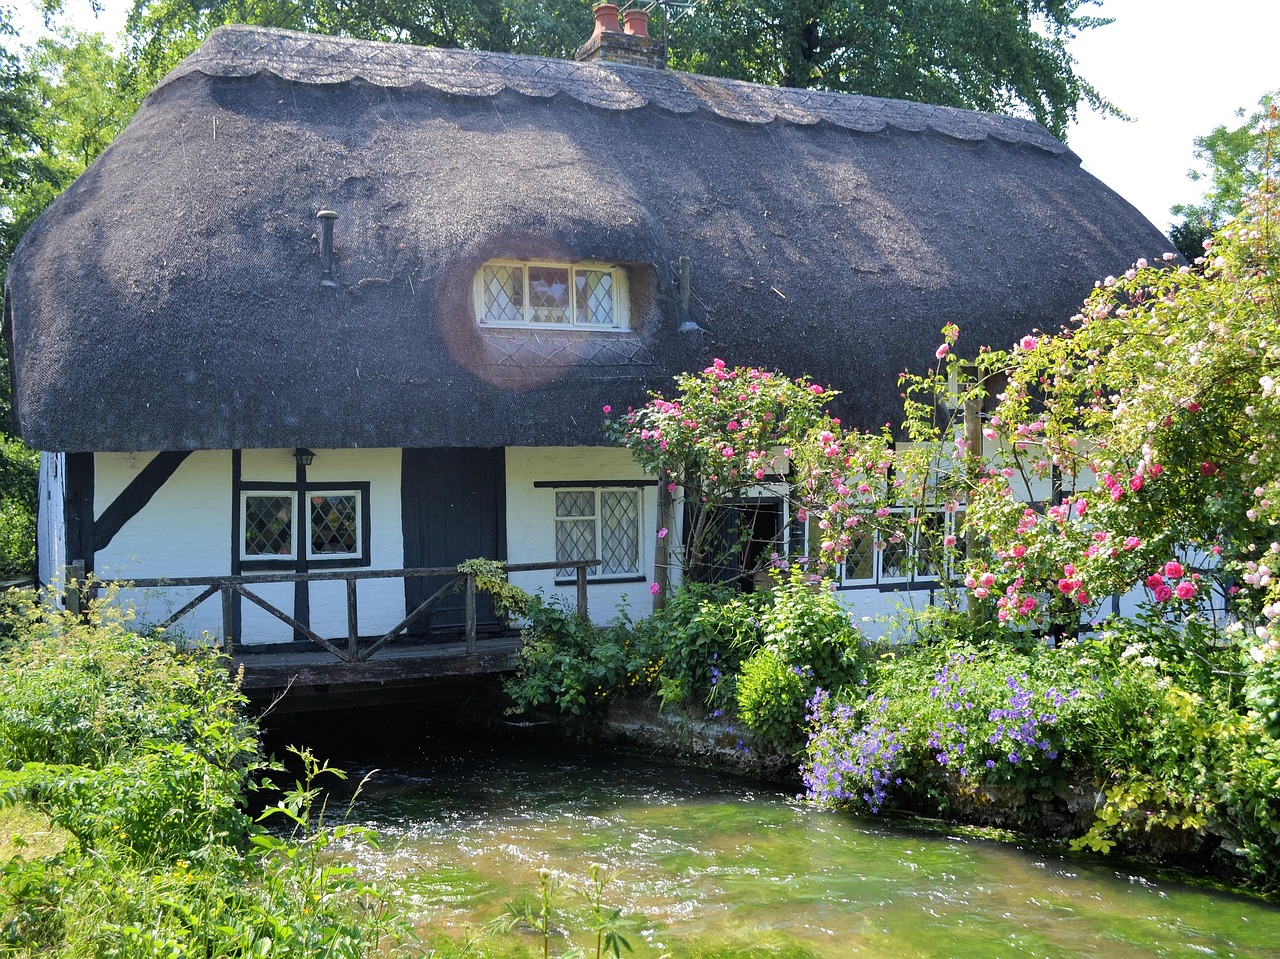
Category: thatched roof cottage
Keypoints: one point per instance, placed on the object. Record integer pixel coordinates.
(432, 268)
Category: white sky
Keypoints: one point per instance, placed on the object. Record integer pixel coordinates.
(1177, 67)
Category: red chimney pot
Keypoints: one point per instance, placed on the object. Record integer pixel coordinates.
(606, 18)
(636, 22)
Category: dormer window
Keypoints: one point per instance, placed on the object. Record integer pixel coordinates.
(591, 296)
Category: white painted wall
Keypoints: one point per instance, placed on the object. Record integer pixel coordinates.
(185, 530)
(51, 520)
(531, 521)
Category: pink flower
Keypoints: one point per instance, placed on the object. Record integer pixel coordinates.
(982, 592)
(607, 409)
(654, 589)
(987, 579)
(1208, 469)
(1155, 581)
(1162, 593)
(1028, 343)
(1155, 469)
(1018, 551)
(949, 540)
(1185, 590)
(1068, 570)
(1132, 542)
(1135, 483)
(671, 487)
(662, 533)
(816, 390)
(1173, 569)
(727, 452)
(942, 351)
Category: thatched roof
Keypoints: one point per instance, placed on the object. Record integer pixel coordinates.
(170, 299)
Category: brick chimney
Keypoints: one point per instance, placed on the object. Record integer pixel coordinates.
(613, 43)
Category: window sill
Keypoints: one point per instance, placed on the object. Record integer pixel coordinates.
(604, 580)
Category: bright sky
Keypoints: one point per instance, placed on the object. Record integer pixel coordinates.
(1177, 67)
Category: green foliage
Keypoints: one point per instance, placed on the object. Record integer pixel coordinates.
(771, 695)
(491, 578)
(1003, 56)
(1235, 162)
(699, 637)
(570, 666)
(807, 642)
(138, 748)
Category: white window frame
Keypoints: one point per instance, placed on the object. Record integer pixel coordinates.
(292, 497)
(300, 501)
(951, 524)
(621, 310)
(596, 574)
(335, 491)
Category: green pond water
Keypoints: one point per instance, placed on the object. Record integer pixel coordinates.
(718, 867)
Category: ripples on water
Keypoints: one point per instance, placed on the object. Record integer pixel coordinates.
(717, 867)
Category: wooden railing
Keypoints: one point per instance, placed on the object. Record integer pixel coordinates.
(229, 586)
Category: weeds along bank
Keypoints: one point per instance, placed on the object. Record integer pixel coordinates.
(127, 761)
(1154, 737)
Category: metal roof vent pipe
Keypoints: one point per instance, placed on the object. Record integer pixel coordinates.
(326, 218)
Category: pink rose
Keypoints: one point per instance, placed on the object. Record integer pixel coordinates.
(987, 579)
(1135, 483)
(1173, 569)
(816, 390)
(1185, 590)
(1132, 542)
(1162, 593)
(654, 589)
(942, 351)
(1155, 581)
(607, 409)
(1155, 469)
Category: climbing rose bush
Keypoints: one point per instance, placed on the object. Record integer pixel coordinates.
(1156, 411)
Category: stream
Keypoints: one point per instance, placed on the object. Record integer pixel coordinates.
(715, 866)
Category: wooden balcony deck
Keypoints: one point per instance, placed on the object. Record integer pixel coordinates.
(310, 679)
(330, 673)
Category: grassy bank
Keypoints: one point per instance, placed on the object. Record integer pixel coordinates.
(126, 768)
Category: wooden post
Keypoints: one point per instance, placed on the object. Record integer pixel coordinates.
(74, 598)
(973, 437)
(471, 612)
(582, 591)
(353, 624)
(228, 617)
(662, 552)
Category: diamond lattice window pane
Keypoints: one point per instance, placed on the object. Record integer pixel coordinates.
(861, 561)
(619, 533)
(595, 297)
(549, 294)
(503, 294)
(575, 539)
(929, 532)
(895, 560)
(334, 525)
(268, 526)
(576, 503)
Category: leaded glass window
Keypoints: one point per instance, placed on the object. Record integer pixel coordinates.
(268, 525)
(598, 524)
(518, 294)
(909, 555)
(335, 527)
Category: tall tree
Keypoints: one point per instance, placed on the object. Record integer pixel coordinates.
(1006, 56)
(1233, 160)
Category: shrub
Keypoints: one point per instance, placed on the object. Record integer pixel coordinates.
(808, 642)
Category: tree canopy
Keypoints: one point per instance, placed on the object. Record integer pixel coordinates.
(1233, 160)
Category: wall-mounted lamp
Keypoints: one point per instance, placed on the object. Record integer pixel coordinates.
(304, 456)
(326, 218)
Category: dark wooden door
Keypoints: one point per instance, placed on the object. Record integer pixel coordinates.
(454, 509)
